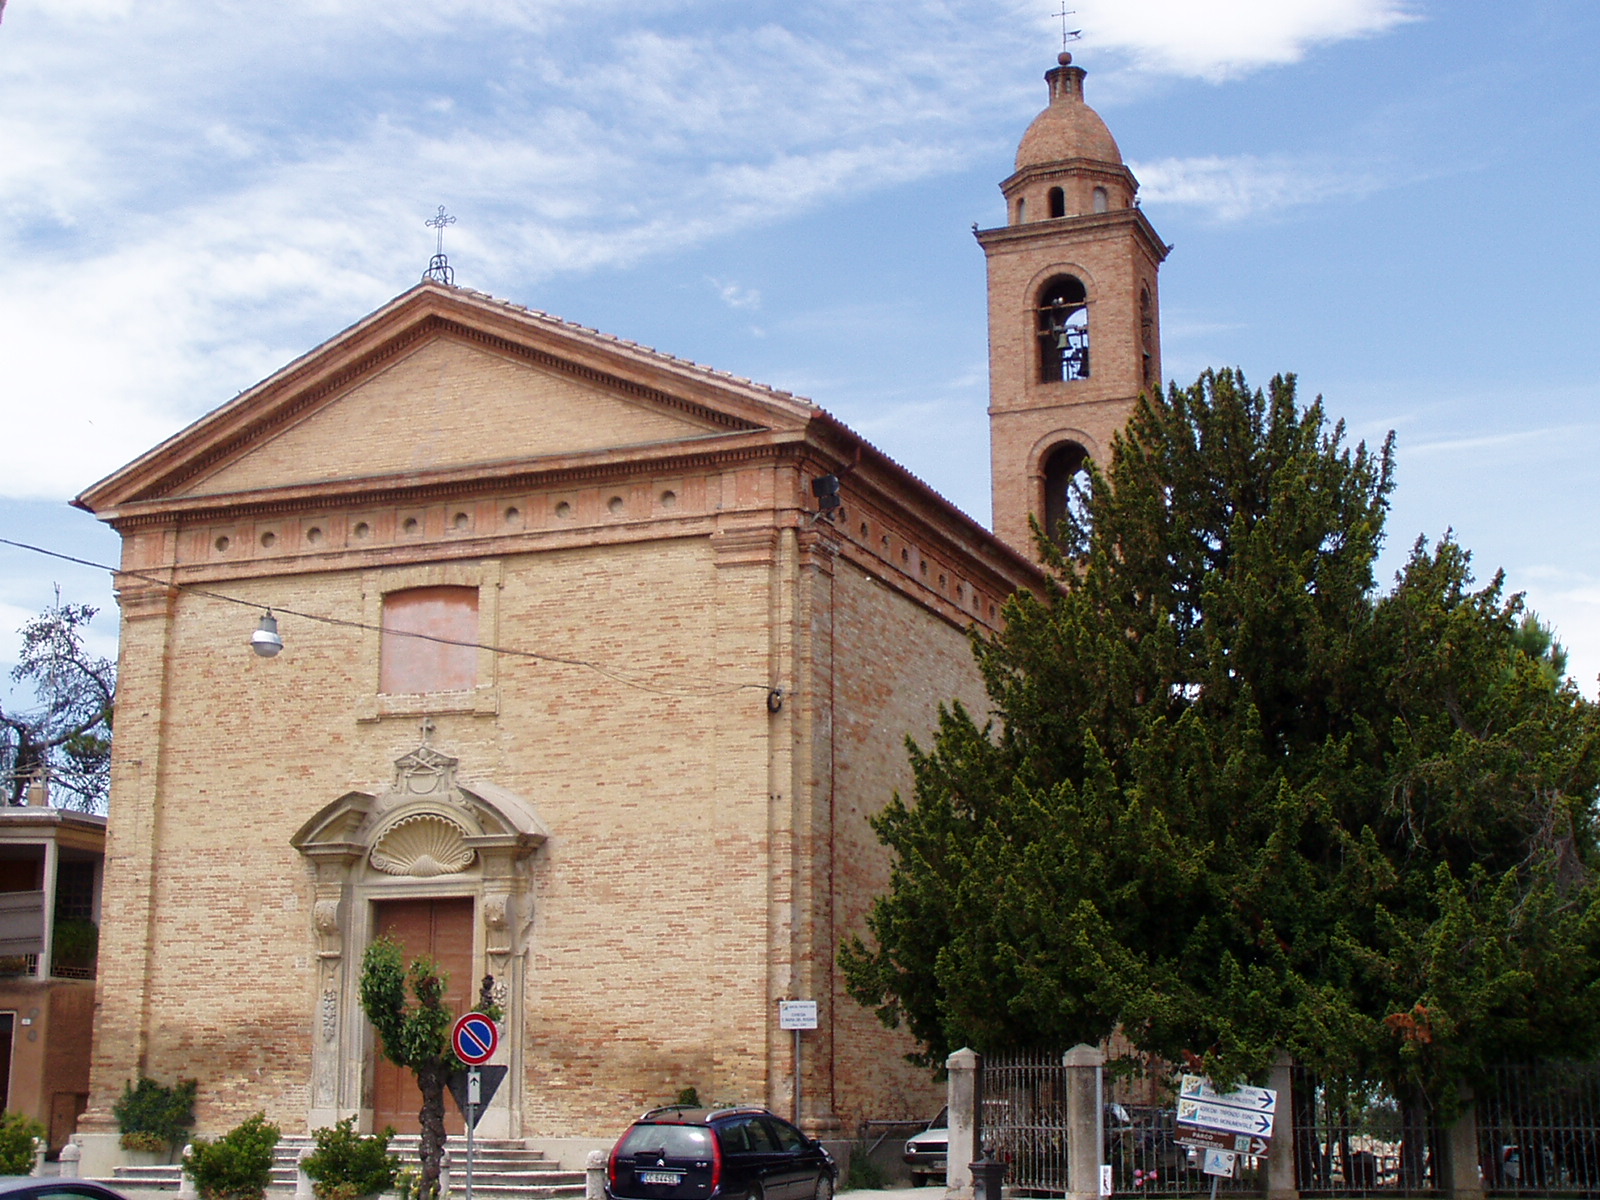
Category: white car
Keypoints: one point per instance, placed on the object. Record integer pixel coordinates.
(926, 1152)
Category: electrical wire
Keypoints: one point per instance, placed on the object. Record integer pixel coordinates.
(509, 651)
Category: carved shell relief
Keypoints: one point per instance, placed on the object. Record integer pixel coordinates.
(423, 846)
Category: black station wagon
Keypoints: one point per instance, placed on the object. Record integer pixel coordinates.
(717, 1154)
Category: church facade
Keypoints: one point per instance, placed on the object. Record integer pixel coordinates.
(596, 663)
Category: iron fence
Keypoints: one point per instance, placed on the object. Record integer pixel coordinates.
(1147, 1159)
(1353, 1138)
(1539, 1130)
(1025, 1126)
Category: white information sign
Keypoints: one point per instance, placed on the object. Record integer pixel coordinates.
(1219, 1162)
(1198, 1087)
(1105, 1179)
(1221, 1116)
(797, 1014)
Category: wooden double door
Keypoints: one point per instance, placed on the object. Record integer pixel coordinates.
(441, 929)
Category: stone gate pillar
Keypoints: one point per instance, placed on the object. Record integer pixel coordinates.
(1085, 1120)
(965, 1121)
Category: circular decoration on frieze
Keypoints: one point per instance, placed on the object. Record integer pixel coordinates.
(423, 846)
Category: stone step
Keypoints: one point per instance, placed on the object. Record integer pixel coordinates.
(491, 1191)
(554, 1177)
(500, 1167)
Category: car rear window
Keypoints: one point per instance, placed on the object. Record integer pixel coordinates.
(680, 1141)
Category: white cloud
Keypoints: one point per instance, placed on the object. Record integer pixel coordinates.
(734, 295)
(1226, 38)
(191, 195)
(1234, 188)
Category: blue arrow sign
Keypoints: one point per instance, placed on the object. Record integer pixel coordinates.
(1224, 1117)
(1198, 1087)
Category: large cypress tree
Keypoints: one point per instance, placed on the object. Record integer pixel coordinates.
(1234, 800)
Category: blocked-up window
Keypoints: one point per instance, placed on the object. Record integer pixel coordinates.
(428, 640)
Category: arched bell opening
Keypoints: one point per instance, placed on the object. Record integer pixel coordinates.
(1066, 479)
(1062, 313)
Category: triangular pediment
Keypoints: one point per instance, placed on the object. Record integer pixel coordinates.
(440, 381)
(448, 403)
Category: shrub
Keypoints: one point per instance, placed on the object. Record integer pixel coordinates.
(154, 1117)
(863, 1173)
(238, 1165)
(346, 1164)
(18, 1132)
(76, 943)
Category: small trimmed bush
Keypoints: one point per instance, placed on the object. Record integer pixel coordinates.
(155, 1117)
(347, 1164)
(238, 1165)
(18, 1133)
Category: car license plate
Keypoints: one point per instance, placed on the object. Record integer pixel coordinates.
(667, 1177)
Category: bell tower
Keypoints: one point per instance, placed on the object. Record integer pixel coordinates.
(1074, 319)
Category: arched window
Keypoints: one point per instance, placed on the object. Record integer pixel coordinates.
(1022, 208)
(1064, 482)
(1063, 315)
(435, 661)
(1102, 200)
(1058, 202)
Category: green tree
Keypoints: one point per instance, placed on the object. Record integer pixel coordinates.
(415, 1034)
(64, 737)
(1234, 800)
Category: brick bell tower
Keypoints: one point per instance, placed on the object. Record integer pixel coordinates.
(1074, 324)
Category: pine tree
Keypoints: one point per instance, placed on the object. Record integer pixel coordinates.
(1233, 800)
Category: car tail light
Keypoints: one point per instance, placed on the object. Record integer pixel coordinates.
(611, 1164)
(716, 1163)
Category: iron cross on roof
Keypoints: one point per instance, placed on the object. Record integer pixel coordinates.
(439, 269)
(1067, 35)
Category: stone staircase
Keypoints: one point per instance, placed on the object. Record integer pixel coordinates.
(501, 1170)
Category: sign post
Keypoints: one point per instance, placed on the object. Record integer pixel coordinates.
(795, 1015)
(1224, 1125)
(474, 1040)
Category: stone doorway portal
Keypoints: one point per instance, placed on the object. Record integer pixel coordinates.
(442, 930)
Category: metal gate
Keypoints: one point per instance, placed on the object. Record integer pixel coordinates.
(1025, 1119)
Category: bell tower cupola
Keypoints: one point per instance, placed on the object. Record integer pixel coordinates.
(1074, 324)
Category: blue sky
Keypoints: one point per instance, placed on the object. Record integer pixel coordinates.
(1392, 198)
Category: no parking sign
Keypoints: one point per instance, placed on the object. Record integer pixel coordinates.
(474, 1039)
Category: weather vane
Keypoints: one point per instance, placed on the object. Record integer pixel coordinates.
(439, 269)
(1067, 35)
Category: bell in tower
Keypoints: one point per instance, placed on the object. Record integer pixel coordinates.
(1074, 326)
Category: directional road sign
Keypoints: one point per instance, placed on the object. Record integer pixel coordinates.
(1198, 1087)
(490, 1079)
(1215, 1139)
(1223, 1117)
(474, 1039)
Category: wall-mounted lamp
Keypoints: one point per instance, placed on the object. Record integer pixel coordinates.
(826, 489)
(266, 640)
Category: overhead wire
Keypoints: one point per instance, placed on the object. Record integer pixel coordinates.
(510, 651)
